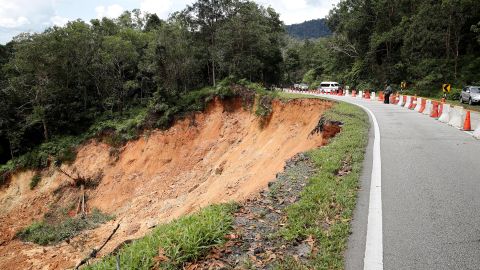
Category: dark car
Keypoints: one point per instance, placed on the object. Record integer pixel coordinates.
(470, 94)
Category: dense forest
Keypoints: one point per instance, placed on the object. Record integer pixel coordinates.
(312, 29)
(138, 71)
(425, 43)
(61, 81)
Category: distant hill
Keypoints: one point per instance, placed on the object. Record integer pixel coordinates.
(309, 29)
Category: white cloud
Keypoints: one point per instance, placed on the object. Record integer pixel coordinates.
(161, 7)
(111, 11)
(59, 20)
(13, 22)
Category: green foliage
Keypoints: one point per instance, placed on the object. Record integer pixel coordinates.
(454, 94)
(183, 240)
(309, 29)
(60, 82)
(326, 206)
(407, 41)
(48, 233)
(35, 180)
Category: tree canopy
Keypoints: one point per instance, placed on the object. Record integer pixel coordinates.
(58, 82)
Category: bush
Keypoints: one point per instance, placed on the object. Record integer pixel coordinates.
(46, 232)
(454, 94)
(35, 180)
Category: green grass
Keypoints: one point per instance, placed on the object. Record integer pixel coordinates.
(183, 240)
(327, 203)
(45, 232)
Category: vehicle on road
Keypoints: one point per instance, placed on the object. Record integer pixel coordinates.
(301, 86)
(470, 94)
(328, 87)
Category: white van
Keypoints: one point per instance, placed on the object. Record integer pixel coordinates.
(328, 87)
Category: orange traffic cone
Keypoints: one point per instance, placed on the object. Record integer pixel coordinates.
(467, 126)
(434, 113)
(380, 96)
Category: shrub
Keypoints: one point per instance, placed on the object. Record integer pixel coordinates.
(35, 180)
(47, 232)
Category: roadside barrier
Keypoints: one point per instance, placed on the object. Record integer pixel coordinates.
(467, 126)
(396, 99)
(445, 115)
(419, 104)
(456, 116)
(428, 107)
(413, 103)
(401, 101)
(434, 113)
(408, 102)
(423, 105)
(475, 119)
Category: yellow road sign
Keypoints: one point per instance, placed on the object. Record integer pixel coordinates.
(403, 85)
(447, 88)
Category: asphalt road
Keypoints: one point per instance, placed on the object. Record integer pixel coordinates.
(430, 189)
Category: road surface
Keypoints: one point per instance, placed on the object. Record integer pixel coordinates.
(430, 193)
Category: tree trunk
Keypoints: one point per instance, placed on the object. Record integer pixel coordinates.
(45, 129)
(213, 72)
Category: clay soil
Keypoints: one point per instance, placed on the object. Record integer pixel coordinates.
(220, 155)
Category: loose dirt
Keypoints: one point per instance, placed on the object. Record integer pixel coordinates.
(217, 156)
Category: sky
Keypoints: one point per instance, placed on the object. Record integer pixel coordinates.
(17, 16)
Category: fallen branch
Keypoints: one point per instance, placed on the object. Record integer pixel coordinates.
(94, 252)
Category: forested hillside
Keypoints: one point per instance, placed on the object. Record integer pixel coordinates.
(425, 43)
(309, 29)
(137, 69)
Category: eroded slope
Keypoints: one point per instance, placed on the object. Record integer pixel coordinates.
(221, 155)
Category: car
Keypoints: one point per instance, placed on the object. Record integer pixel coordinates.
(329, 87)
(470, 94)
(303, 86)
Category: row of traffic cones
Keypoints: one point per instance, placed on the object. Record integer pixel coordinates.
(437, 108)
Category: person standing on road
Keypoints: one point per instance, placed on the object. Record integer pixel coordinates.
(388, 91)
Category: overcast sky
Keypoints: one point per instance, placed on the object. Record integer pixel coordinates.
(18, 16)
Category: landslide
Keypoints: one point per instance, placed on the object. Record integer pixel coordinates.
(225, 153)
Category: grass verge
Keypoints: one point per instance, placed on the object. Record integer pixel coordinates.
(172, 245)
(326, 206)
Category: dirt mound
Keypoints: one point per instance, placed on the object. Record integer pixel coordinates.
(220, 155)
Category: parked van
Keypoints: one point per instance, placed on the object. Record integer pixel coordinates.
(328, 87)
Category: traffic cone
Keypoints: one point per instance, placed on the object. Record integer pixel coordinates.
(434, 113)
(467, 126)
(440, 109)
(380, 96)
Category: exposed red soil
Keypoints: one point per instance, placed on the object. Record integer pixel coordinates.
(217, 156)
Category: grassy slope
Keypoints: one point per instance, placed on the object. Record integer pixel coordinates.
(327, 203)
(171, 245)
(324, 211)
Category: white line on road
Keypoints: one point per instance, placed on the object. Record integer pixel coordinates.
(373, 259)
(374, 244)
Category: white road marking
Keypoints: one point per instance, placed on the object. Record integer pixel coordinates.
(373, 259)
(374, 244)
